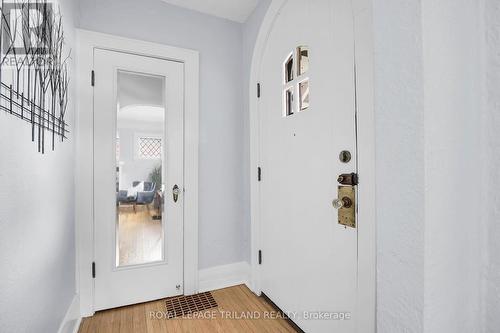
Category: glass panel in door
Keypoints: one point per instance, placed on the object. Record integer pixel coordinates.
(140, 133)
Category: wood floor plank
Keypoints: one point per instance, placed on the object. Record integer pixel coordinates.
(237, 306)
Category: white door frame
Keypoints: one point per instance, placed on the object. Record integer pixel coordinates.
(362, 13)
(87, 41)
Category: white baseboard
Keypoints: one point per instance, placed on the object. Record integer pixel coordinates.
(224, 276)
(72, 319)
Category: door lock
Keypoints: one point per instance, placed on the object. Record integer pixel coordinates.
(348, 179)
(346, 206)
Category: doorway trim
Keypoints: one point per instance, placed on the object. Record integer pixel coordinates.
(87, 41)
(366, 266)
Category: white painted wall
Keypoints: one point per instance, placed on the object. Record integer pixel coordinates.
(491, 148)
(399, 165)
(37, 230)
(428, 70)
(221, 195)
(453, 95)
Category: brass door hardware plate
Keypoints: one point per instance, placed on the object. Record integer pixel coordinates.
(347, 211)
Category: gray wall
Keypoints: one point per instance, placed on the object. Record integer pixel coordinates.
(221, 205)
(37, 228)
(491, 197)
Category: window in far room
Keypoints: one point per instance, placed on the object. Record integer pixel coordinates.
(149, 147)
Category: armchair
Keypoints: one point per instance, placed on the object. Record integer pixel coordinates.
(145, 197)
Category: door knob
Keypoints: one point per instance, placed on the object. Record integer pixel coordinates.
(345, 202)
(175, 192)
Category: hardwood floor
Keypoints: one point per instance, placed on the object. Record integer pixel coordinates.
(234, 304)
(139, 236)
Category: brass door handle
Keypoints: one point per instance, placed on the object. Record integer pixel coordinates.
(345, 202)
(175, 192)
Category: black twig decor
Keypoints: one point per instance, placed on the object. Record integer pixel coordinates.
(34, 73)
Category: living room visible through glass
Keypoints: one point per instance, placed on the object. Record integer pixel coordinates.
(140, 134)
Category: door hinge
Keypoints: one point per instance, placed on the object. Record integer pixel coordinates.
(92, 78)
(258, 90)
(259, 174)
(93, 269)
(260, 257)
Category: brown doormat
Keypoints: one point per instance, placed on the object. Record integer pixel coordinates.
(179, 306)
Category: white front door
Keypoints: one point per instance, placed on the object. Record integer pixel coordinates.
(307, 110)
(138, 178)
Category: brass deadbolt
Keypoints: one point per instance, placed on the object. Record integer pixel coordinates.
(345, 156)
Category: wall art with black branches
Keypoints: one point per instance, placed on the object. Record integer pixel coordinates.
(34, 69)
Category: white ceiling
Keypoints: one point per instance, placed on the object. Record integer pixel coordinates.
(235, 10)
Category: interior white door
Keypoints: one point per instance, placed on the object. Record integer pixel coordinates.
(138, 140)
(307, 109)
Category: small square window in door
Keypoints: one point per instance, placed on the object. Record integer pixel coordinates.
(303, 60)
(304, 95)
(288, 100)
(289, 69)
